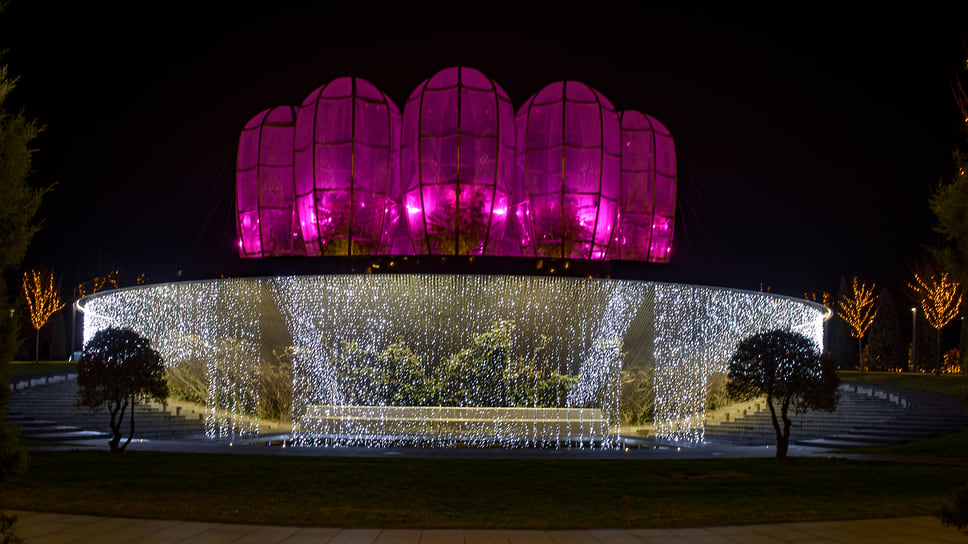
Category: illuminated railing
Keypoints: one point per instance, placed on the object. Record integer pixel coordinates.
(444, 425)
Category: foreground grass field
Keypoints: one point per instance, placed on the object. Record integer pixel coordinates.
(366, 492)
(395, 492)
(953, 444)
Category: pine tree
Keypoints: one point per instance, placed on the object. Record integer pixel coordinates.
(927, 353)
(950, 201)
(885, 342)
(843, 348)
(18, 199)
(58, 339)
(963, 345)
(18, 205)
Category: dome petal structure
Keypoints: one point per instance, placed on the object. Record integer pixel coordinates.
(568, 170)
(665, 195)
(346, 164)
(647, 190)
(264, 186)
(458, 173)
(457, 163)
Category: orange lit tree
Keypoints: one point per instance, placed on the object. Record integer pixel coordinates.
(822, 297)
(89, 287)
(940, 299)
(858, 311)
(43, 300)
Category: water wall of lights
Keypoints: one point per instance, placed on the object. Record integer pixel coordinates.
(566, 176)
(441, 360)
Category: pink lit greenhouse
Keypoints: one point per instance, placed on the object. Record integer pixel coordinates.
(568, 176)
(547, 358)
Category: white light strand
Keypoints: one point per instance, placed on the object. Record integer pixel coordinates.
(359, 342)
(697, 330)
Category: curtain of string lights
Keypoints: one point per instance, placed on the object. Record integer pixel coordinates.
(442, 360)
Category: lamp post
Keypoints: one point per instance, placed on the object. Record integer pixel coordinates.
(914, 337)
(74, 323)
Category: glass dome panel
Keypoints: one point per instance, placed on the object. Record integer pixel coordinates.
(457, 156)
(264, 186)
(568, 168)
(346, 157)
(346, 174)
(647, 190)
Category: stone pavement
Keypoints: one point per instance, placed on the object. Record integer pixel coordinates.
(42, 528)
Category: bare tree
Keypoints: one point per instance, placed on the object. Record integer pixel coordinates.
(41, 289)
(940, 299)
(857, 309)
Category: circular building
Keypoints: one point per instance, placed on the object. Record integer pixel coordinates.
(457, 163)
(346, 155)
(447, 359)
(568, 172)
(437, 359)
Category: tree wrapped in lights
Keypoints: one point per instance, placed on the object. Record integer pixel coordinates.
(100, 283)
(43, 299)
(857, 309)
(940, 300)
(786, 367)
(821, 298)
(89, 287)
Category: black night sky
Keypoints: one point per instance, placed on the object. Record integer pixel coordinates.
(808, 141)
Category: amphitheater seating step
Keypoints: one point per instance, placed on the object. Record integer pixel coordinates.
(45, 410)
(866, 416)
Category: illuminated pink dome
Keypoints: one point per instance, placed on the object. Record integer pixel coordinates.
(266, 219)
(647, 191)
(347, 142)
(335, 176)
(568, 172)
(457, 163)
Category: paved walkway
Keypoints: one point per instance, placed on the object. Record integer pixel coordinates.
(41, 528)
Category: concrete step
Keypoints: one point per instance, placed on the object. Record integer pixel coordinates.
(860, 419)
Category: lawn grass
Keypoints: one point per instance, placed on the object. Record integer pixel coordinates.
(476, 493)
(950, 444)
(20, 368)
(28, 442)
(947, 384)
